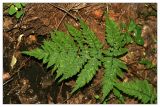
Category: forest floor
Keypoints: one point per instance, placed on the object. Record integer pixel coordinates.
(27, 81)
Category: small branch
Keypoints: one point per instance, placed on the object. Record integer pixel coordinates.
(60, 22)
(7, 81)
(66, 13)
(67, 99)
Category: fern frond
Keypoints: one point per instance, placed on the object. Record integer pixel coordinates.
(90, 37)
(37, 53)
(137, 88)
(113, 68)
(73, 68)
(107, 86)
(118, 94)
(119, 63)
(109, 75)
(78, 37)
(114, 39)
(112, 33)
(80, 53)
(87, 73)
(67, 54)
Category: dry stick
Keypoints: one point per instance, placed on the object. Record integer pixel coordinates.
(12, 90)
(67, 99)
(66, 13)
(149, 5)
(8, 81)
(61, 21)
(60, 91)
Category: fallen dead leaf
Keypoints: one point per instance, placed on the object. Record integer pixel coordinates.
(113, 15)
(126, 79)
(7, 24)
(13, 62)
(31, 39)
(98, 13)
(20, 38)
(6, 76)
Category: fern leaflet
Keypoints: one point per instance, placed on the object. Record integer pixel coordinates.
(138, 88)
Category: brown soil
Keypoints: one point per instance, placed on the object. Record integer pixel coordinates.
(28, 81)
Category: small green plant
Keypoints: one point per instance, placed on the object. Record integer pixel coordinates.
(147, 63)
(16, 9)
(80, 52)
(97, 97)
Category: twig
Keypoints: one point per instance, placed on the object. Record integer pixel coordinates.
(60, 91)
(7, 81)
(12, 90)
(66, 13)
(149, 5)
(60, 22)
(67, 99)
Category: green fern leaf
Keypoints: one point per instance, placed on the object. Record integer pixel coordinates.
(109, 75)
(119, 72)
(87, 73)
(113, 68)
(118, 94)
(107, 86)
(73, 68)
(114, 39)
(137, 88)
(90, 37)
(113, 33)
(37, 53)
(119, 63)
(78, 37)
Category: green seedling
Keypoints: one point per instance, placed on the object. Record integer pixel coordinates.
(97, 97)
(16, 9)
(147, 63)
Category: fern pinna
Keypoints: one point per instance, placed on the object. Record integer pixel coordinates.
(81, 53)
